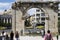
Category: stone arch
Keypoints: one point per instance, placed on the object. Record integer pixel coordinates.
(35, 7)
(30, 7)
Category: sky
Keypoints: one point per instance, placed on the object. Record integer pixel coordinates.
(5, 4)
(32, 11)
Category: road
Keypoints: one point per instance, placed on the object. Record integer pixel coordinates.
(34, 38)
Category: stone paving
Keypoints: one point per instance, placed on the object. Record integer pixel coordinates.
(34, 38)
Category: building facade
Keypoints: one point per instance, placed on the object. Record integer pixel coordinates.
(5, 22)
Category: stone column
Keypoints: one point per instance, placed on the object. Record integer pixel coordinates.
(4, 20)
(10, 20)
(13, 20)
(7, 20)
(19, 21)
(53, 17)
(53, 20)
(46, 23)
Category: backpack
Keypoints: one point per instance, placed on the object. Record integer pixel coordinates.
(48, 37)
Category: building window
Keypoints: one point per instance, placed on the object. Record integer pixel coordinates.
(58, 11)
(42, 18)
(58, 18)
(42, 14)
(58, 14)
(37, 10)
(37, 14)
(37, 18)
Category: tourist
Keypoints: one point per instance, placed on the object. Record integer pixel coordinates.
(17, 35)
(11, 35)
(48, 36)
(57, 36)
(3, 35)
(6, 37)
(42, 33)
(21, 32)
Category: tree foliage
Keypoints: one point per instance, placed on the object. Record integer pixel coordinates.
(27, 23)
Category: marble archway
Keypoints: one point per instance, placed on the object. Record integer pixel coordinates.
(21, 9)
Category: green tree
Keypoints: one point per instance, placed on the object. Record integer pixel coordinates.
(27, 23)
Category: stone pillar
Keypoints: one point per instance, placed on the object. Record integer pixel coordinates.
(46, 23)
(7, 20)
(13, 20)
(52, 22)
(19, 21)
(10, 20)
(4, 20)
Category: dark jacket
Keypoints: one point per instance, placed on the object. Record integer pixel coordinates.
(11, 35)
(17, 35)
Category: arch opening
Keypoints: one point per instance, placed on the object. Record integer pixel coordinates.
(35, 21)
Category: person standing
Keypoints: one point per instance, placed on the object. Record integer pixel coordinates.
(48, 36)
(17, 35)
(42, 33)
(57, 36)
(11, 35)
(3, 35)
(6, 37)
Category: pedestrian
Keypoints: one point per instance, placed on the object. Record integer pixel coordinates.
(57, 36)
(17, 35)
(3, 35)
(11, 35)
(48, 36)
(42, 33)
(21, 32)
(6, 37)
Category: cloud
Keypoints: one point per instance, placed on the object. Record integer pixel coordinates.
(32, 11)
(1, 12)
(4, 6)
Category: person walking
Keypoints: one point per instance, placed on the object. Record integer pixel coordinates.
(48, 36)
(11, 35)
(17, 35)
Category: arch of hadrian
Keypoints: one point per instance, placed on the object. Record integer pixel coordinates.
(21, 8)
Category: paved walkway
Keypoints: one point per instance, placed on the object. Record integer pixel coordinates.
(34, 38)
